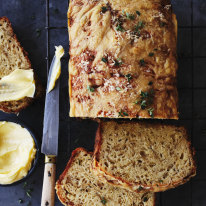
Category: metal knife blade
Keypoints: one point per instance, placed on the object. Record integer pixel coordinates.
(51, 119)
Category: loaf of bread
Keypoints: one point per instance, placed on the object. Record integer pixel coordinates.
(77, 186)
(143, 157)
(13, 56)
(122, 59)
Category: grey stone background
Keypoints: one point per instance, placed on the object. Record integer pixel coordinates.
(29, 20)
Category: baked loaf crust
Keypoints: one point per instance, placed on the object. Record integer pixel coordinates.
(143, 157)
(13, 56)
(122, 59)
(78, 186)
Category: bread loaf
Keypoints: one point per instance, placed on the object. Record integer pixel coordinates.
(78, 186)
(143, 157)
(122, 59)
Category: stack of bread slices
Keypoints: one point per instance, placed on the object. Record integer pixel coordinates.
(130, 162)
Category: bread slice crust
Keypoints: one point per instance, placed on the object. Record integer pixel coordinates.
(65, 201)
(110, 178)
(18, 105)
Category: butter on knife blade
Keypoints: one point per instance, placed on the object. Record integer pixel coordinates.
(56, 67)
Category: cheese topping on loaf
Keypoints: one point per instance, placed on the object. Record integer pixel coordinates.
(122, 59)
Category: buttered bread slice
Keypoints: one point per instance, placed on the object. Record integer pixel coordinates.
(143, 157)
(17, 86)
(77, 186)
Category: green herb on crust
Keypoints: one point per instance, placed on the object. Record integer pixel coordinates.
(119, 27)
(138, 13)
(122, 113)
(145, 199)
(146, 101)
(150, 83)
(91, 89)
(140, 188)
(142, 62)
(140, 25)
(130, 16)
(150, 112)
(118, 62)
(143, 104)
(104, 60)
(151, 54)
(104, 9)
(103, 201)
(129, 77)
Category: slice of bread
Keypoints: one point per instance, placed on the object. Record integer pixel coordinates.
(143, 157)
(78, 186)
(13, 56)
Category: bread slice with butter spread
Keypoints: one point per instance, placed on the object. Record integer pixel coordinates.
(12, 57)
(141, 157)
(77, 186)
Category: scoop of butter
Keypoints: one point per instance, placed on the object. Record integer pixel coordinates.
(17, 152)
(56, 67)
(17, 85)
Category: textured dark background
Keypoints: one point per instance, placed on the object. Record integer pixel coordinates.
(29, 21)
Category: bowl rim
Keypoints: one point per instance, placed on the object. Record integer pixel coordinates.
(37, 155)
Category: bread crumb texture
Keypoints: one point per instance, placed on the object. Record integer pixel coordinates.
(122, 59)
(142, 156)
(78, 186)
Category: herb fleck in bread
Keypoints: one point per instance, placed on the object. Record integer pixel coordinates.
(13, 56)
(77, 186)
(143, 157)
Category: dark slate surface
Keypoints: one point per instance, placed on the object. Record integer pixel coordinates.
(28, 19)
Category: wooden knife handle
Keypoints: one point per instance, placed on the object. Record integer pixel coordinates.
(48, 190)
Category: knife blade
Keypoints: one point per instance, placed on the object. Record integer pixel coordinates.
(51, 119)
(50, 141)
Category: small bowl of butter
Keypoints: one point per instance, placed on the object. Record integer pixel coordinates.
(18, 152)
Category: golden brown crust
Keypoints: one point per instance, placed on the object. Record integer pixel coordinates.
(122, 64)
(105, 176)
(17, 106)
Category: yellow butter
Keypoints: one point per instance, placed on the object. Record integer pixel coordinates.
(17, 151)
(17, 85)
(56, 67)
